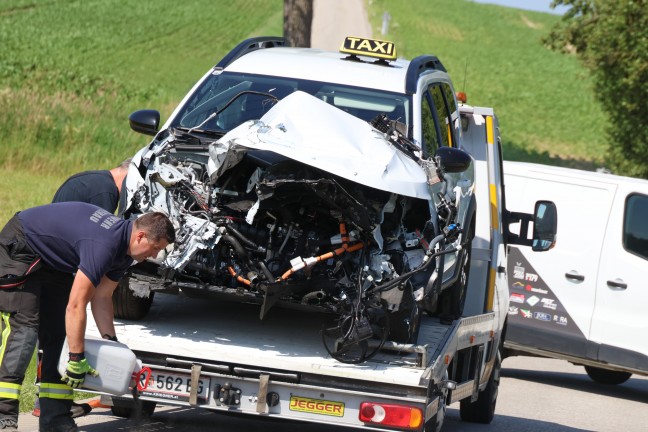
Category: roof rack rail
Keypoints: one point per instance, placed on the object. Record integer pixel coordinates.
(249, 45)
(418, 65)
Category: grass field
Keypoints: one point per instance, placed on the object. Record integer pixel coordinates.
(72, 71)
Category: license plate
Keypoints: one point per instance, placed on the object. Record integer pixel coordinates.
(173, 386)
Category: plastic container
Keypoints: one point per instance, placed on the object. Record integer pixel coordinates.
(114, 361)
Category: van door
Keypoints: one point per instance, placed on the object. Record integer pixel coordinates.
(619, 323)
(552, 294)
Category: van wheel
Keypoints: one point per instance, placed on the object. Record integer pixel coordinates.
(605, 376)
(129, 306)
(483, 409)
(129, 408)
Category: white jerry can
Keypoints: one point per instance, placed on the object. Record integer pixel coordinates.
(114, 361)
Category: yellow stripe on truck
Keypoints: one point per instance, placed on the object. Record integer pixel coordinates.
(492, 192)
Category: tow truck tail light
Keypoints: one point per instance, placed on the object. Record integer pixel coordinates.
(401, 416)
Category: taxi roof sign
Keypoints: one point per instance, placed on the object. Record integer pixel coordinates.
(369, 47)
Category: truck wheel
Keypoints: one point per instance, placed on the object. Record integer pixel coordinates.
(605, 376)
(129, 306)
(483, 409)
(129, 408)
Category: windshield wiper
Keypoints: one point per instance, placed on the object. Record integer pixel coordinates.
(208, 132)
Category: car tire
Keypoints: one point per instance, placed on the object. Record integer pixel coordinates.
(127, 305)
(483, 409)
(129, 408)
(605, 376)
(453, 299)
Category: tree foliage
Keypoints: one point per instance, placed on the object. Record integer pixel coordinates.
(610, 37)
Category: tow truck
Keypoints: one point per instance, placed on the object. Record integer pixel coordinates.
(218, 355)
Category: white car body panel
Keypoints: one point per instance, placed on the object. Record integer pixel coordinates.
(299, 127)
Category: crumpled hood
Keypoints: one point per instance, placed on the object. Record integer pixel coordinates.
(308, 130)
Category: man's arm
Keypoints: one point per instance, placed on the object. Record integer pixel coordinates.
(102, 306)
(75, 313)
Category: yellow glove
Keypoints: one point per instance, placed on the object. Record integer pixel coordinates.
(76, 370)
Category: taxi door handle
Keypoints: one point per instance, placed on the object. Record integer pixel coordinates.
(617, 284)
(574, 276)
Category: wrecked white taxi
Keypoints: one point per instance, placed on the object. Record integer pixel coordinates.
(307, 194)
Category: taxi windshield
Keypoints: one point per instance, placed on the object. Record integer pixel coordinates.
(224, 101)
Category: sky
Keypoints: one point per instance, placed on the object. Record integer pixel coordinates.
(534, 5)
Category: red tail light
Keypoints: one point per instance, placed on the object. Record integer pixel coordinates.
(401, 416)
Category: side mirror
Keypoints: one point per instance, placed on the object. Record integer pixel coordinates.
(545, 224)
(145, 122)
(452, 159)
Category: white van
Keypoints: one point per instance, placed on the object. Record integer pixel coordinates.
(585, 300)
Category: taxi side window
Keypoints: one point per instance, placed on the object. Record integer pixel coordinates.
(429, 132)
(443, 112)
(635, 229)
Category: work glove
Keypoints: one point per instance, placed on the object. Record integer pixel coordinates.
(76, 370)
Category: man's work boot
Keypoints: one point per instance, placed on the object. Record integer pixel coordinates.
(79, 410)
(63, 425)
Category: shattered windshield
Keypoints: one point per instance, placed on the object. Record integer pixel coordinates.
(224, 101)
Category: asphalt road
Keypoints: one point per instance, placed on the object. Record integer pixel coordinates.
(536, 395)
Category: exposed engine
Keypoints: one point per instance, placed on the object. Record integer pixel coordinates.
(254, 222)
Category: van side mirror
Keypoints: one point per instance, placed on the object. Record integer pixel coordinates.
(145, 121)
(545, 224)
(452, 159)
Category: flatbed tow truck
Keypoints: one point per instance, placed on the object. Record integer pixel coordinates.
(220, 356)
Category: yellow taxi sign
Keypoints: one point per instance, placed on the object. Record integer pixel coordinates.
(369, 47)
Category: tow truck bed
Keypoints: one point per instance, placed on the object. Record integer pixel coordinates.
(183, 327)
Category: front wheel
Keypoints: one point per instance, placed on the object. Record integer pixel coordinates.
(129, 306)
(483, 409)
(129, 408)
(605, 376)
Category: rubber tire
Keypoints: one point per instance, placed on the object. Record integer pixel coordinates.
(127, 408)
(127, 305)
(605, 376)
(453, 299)
(483, 409)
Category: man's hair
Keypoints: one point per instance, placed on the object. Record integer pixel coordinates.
(125, 163)
(157, 225)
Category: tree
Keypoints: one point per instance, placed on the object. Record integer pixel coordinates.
(298, 19)
(610, 37)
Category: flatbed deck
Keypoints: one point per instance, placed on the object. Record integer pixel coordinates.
(286, 340)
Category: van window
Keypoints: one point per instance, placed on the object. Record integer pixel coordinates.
(635, 229)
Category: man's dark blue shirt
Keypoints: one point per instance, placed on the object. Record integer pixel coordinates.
(73, 236)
